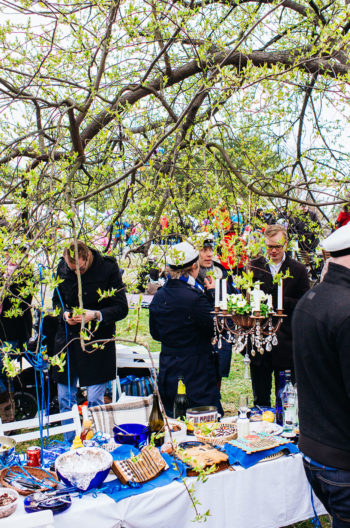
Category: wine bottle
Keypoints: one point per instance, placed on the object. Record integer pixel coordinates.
(279, 406)
(181, 400)
(156, 421)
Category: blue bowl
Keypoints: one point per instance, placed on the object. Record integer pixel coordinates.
(138, 434)
(7, 449)
(94, 483)
(98, 460)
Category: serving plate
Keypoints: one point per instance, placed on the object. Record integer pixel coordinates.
(265, 427)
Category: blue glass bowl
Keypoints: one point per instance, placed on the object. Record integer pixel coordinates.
(94, 483)
(7, 448)
(99, 462)
(137, 437)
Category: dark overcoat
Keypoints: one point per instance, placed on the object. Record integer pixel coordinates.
(180, 319)
(17, 328)
(99, 366)
(293, 289)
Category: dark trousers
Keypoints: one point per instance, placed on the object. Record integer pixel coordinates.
(332, 487)
(261, 371)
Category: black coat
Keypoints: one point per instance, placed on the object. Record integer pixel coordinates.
(98, 366)
(321, 324)
(180, 318)
(17, 328)
(306, 227)
(293, 289)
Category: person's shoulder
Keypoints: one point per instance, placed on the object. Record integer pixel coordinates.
(62, 266)
(258, 262)
(295, 264)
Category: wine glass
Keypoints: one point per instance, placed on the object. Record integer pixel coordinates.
(243, 403)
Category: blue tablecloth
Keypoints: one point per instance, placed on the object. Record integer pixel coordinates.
(117, 491)
(240, 457)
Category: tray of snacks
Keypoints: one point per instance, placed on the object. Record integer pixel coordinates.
(258, 442)
(216, 433)
(198, 456)
(26, 480)
(140, 468)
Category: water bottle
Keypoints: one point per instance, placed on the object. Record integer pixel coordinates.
(279, 406)
(289, 403)
(243, 425)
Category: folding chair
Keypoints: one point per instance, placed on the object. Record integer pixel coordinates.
(136, 410)
(33, 423)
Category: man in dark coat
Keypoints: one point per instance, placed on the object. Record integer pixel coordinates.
(94, 367)
(321, 325)
(209, 270)
(180, 318)
(306, 226)
(294, 287)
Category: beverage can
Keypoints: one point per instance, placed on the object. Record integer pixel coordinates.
(33, 456)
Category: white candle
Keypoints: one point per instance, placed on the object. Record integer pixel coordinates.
(280, 295)
(269, 302)
(224, 294)
(217, 293)
(256, 300)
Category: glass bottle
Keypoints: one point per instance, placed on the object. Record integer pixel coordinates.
(181, 400)
(289, 402)
(243, 425)
(156, 421)
(279, 407)
(87, 432)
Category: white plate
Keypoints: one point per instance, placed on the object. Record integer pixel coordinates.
(266, 427)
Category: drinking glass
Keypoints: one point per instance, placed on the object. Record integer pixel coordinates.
(243, 403)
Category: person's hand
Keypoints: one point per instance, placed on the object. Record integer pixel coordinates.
(209, 283)
(89, 315)
(70, 320)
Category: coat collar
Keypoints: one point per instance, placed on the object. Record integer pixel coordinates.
(337, 274)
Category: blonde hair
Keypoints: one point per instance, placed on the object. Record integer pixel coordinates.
(183, 272)
(274, 229)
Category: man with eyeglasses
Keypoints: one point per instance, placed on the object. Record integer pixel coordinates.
(265, 268)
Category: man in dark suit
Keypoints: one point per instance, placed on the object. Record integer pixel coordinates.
(294, 287)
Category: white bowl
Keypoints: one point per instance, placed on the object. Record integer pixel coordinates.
(8, 509)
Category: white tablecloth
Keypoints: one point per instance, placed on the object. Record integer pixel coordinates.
(269, 495)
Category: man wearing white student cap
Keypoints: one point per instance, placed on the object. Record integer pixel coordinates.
(180, 318)
(321, 326)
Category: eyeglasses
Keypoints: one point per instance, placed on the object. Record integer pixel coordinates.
(281, 246)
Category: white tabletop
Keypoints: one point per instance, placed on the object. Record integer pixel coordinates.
(268, 495)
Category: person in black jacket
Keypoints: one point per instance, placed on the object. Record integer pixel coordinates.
(15, 320)
(94, 367)
(306, 226)
(294, 287)
(180, 319)
(321, 326)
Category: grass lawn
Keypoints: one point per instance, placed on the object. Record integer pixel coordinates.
(231, 387)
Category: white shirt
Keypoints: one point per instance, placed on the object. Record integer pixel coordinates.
(274, 268)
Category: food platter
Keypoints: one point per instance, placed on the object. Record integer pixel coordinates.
(265, 427)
